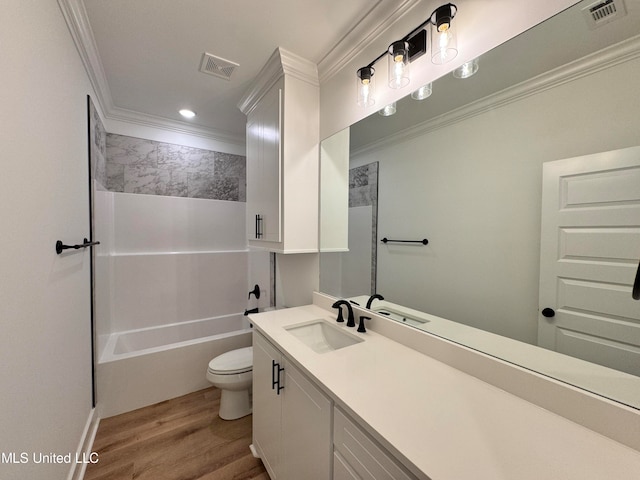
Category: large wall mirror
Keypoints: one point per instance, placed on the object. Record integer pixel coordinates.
(463, 168)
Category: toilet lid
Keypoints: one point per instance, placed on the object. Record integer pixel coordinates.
(235, 361)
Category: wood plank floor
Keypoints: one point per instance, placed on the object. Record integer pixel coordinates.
(180, 439)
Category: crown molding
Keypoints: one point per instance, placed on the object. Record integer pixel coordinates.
(601, 60)
(153, 121)
(376, 21)
(78, 23)
(79, 26)
(282, 62)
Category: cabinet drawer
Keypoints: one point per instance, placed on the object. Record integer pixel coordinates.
(359, 455)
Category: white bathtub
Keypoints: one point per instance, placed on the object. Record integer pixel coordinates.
(145, 366)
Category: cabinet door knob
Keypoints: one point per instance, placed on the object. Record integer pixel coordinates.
(548, 312)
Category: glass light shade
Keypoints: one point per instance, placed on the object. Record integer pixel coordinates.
(423, 92)
(398, 64)
(365, 86)
(467, 69)
(388, 110)
(444, 44)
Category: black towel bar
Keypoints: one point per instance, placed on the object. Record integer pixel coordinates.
(424, 241)
(60, 247)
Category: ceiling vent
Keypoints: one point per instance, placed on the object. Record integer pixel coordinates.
(216, 66)
(602, 12)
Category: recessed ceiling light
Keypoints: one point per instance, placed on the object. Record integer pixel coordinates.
(186, 113)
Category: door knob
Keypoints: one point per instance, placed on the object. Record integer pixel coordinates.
(548, 312)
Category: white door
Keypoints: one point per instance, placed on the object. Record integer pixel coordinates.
(590, 246)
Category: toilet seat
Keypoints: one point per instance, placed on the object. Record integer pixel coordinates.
(233, 362)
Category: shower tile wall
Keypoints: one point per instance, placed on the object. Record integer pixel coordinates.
(148, 167)
(363, 191)
(363, 185)
(98, 146)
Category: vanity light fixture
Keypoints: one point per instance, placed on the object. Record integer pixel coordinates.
(444, 46)
(467, 69)
(366, 86)
(398, 64)
(423, 92)
(186, 113)
(409, 48)
(388, 110)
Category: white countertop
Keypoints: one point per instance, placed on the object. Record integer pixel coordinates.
(442, 423)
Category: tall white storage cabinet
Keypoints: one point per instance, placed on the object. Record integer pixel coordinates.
(291, 417)
(282, 109)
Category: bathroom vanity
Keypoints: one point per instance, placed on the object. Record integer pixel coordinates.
(330, 402)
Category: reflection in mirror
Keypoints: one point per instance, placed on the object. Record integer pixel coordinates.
(464, 168)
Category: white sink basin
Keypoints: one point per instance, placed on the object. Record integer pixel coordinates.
(322, 336)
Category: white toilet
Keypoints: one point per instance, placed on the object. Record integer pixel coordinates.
(232, 372)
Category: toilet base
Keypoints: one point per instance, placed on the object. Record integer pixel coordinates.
(234, 404)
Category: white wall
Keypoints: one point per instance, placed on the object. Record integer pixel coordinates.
(473, 189)
(45, 370)
(172, 259)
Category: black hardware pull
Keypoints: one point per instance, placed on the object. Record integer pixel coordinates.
(60, 247)
(259, 220)
(424, 241)
(548, 312)
(635, 293)
(275, 378)
(274, 382)
(280, 387)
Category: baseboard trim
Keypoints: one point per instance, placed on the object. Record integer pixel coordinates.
(85, 446)
(254, 452)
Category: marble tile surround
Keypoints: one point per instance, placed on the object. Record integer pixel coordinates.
(135, 165)
(363, 191)
(98, 147)
(363, 185)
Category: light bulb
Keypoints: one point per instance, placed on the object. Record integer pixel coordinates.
(398, 64)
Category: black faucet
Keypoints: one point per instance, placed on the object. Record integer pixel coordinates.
(350, 320)
(361, 325)
(372, 298)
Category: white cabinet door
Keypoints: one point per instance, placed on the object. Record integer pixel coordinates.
(254, 168)
(271, 207)
(267, 408)
(264, 165)
(306, 428)
(291, 418)
(590, 246)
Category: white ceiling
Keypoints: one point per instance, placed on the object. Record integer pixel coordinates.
(150, 50)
